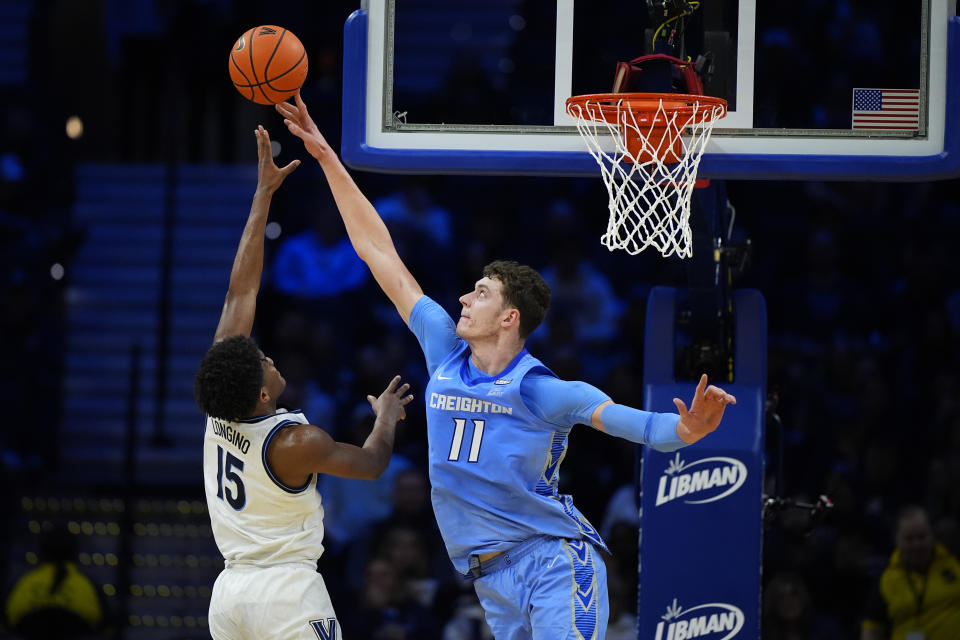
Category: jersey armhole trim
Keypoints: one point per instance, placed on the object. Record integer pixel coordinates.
(266, 465)
(269, 415)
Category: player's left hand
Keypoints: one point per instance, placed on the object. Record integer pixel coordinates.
(705, 411)
(269, 176)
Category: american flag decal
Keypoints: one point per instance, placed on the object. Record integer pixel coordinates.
(891, 109)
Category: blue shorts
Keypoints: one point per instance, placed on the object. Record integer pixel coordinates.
(545, 589)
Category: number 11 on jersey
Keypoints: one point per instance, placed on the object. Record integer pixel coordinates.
(455, 446)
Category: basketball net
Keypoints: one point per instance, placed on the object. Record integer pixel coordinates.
(651, 171)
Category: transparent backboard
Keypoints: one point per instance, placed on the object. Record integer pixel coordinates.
(816, 90)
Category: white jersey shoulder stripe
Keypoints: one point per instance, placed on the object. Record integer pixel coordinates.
(270, 415)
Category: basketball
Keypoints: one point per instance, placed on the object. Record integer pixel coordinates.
(268, 64)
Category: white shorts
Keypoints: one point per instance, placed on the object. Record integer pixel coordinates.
(287, 602)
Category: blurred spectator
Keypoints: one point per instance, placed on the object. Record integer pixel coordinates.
(411, 514)
(881, 473)
(303, 391)
(411, 501)
(788, 613)
(942, 490)
(466, 622)
(318, 263)
(406, 551)
(918, 595)
(623, 623)
(824, 290)
(583, 322)
(622, 563)
(582, 293)
(413, 210)
(947, 531)
(421, 228)
(384, 610)
(320, 341)
(622, 509)
(844, 577)
(352, 506)
(55, 600)
(469, 93)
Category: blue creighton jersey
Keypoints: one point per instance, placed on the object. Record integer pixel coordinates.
(496, 443)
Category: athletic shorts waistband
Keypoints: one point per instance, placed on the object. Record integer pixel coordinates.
(503, 559)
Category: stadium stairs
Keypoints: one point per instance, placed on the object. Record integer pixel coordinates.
(115, 302)
(140, 520)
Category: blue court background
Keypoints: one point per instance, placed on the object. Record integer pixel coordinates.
(142, 214)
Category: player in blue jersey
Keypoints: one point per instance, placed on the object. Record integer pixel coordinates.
(497, 422)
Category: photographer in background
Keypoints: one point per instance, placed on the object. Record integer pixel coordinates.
(918, 597)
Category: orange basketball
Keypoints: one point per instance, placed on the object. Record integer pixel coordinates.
(268, 64)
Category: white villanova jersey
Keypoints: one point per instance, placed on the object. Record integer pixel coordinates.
(256, 519)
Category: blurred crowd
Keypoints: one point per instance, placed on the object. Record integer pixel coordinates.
(861, 282)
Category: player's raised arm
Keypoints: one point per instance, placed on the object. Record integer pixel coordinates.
(241, 302)
(368, 234)
(299, 451)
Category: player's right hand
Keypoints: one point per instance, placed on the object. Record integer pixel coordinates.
(390, 405)
(269, 176)
(300, 124)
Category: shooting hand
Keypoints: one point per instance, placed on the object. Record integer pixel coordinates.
(269, 176)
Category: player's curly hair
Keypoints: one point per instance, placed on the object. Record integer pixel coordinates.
(228, 382)
(522, 288)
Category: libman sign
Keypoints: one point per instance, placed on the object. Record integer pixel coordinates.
(700, 528)
(699, 481)
(701, 519)
(710, 621)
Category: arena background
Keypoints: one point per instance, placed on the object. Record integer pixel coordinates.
(127, 163)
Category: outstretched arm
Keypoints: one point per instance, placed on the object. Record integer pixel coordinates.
(298, 451)
(241, 302)
(664, 431)
(368, 234)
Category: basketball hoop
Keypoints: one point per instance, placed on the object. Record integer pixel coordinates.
(658, 140)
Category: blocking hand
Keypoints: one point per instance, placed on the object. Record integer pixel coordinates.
(300, 124)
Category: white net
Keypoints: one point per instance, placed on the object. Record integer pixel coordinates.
(650, 181)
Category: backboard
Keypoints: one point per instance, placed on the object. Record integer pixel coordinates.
(817, 90)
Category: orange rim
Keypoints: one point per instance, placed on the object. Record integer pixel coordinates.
(645, 106)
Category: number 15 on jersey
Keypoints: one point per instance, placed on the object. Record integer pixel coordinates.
(226, 463)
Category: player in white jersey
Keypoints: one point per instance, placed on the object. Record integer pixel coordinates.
(260, 463)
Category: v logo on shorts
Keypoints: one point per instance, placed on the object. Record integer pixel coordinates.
(325, 629)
